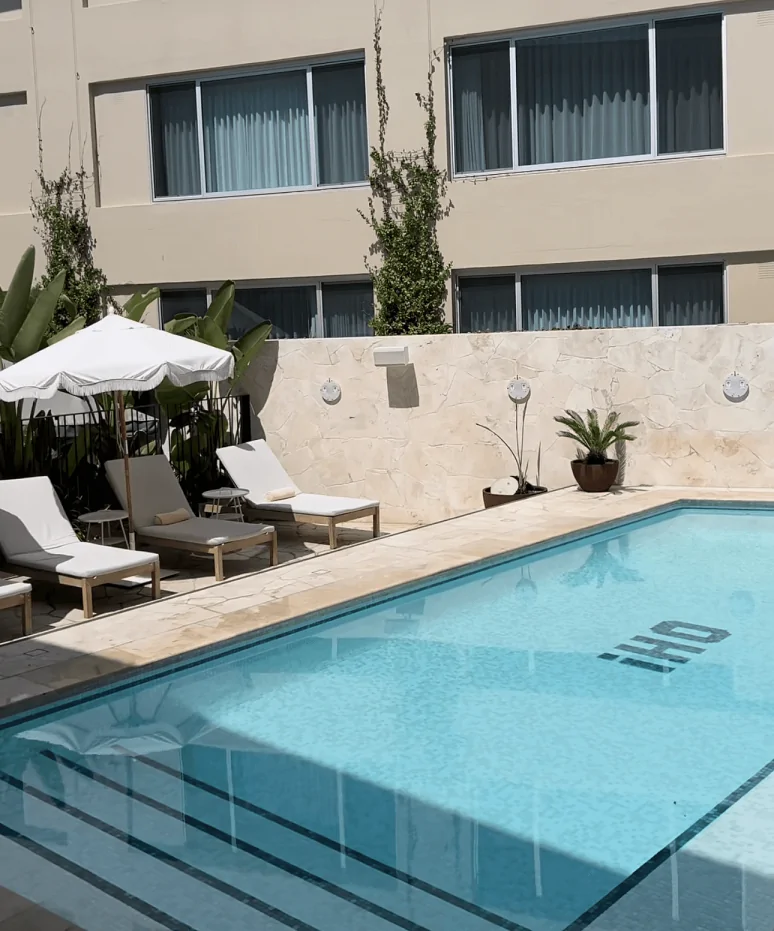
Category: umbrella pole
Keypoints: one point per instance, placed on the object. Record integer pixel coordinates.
(121, 415)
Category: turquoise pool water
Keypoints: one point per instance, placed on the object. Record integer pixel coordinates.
(516, 748)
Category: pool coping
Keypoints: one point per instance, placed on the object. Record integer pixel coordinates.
(41, 672)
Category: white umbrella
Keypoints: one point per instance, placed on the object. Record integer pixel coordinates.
(115, 355)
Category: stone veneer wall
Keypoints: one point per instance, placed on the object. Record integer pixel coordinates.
(409, 436)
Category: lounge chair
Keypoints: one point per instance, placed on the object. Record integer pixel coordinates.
(156, 491)
(18, 594)
(36, 538)
(254, 467)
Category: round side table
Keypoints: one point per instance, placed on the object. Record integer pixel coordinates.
(96, 523)
(219, 499)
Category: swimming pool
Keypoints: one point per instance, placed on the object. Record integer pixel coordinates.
(529, 746)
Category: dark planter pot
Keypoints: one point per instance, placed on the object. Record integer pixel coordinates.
(493, 501)
(596, 476)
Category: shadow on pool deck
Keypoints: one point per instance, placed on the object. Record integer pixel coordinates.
(57, 606)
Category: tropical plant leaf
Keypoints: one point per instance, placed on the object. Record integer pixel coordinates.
(32, 332)
(248, 347)
(171, 396)
(68, 305)
(138, 303)
(211, 333)
(594, 440)
(15, 303)
(222, 306)
(73, 327)
(182, 325)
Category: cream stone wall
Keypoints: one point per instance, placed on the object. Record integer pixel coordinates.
(409, 436)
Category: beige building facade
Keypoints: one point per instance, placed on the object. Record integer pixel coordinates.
(611, 161)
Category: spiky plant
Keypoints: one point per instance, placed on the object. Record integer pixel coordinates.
(594, 440)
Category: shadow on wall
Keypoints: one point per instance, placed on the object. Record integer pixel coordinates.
(402, 386)
(261, 386)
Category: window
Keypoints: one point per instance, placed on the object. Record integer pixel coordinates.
(690, 296)
(182, 301)
(587, 299)
(348, 309)
(482, 108)
(487, 304)
(331, 309)
(292, 311)
(270, 131)
(589, 95)
(687, 295)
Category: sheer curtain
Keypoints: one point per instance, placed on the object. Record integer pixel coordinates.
(348, 309)
(689, 68)
(175, 141)
(691, 296)
(487, 304)
(292, 311)
(340, 114)
(587, 300)
(256, 132)
(482, 108)
(584, 96)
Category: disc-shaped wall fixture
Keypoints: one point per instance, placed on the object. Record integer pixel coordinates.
(519, 390)
(736, 387)
(331, 391)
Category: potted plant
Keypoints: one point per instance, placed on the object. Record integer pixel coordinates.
(515, 487)
(593, 470)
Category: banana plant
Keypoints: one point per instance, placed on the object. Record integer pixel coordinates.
(196, 429)
(212, 329)
(25, 315)
(138, 303)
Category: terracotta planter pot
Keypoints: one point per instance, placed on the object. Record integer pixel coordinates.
(595, 477)
(493, 501)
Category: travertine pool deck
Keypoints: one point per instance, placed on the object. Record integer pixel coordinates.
(47, 665)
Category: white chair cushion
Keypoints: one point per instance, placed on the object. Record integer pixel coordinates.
(14, 589)
(255, 467)
(32, 517)
(317, 505)
(155, 488)
(204, 530)
(83, 560)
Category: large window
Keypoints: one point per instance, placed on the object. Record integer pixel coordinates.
(329, 309)
(271, 131)
(682, 295)
(633, 91)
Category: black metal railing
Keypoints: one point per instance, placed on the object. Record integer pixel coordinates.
(71, 449)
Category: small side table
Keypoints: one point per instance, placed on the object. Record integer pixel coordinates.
(222, 499)
(98, 521)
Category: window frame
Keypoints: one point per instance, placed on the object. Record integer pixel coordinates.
(653, 266)
(255, 284)
(573, 29)
(306, 65)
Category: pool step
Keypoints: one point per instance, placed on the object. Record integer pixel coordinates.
(187, 873)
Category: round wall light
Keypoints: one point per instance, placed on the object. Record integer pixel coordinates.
(736, 388)
(330, 392)
(519, 390)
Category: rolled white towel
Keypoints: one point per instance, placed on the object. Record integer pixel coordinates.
(280, 494)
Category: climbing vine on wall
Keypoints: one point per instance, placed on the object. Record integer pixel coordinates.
(407, 202)
(61, 214)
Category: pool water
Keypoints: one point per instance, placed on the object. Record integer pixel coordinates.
(518, 748)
